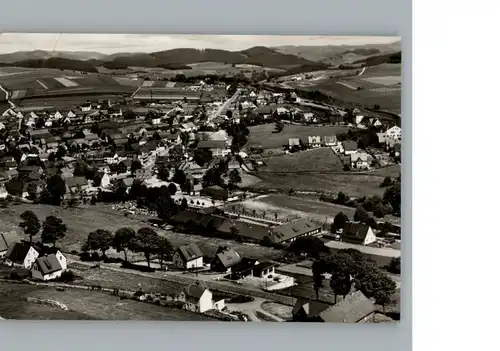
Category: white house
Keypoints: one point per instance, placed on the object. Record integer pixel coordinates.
(49, 267)
(393, 133)
(105, 180)
(199, 299)
(358, 233)
(21, 254)
(188, 257)
(58, 115)
(360, 160)
(314, 141)
(71, 114)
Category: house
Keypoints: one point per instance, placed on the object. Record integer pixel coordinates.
(215, 192)
(358, 233)
(224, 259)
(313, 141)
(49, 267)
(188, 257)
(360, 160)
(188, 127)
(381, 138)
(330, 140)
(217, 147)
(375, 122)
(8, 240)
(199, 299)
(309, 117)
(293, 142)
(393, 133)
(143, 174)
(21, 254)
(295, 98)
(76, 184)
(355, 308)
(171, 138)
(289, 232)
(349, 147)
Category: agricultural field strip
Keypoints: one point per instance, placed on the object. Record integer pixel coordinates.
(66, 82)
(384, 80)
(43, 85)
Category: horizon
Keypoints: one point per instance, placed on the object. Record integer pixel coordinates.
(106, 44)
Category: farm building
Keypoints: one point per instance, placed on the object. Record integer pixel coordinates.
(289, 232)
(188, 257)
(198, 298)
(49, 267)
(21, 254)
(355, 308)
(224, 259)
(358, 233)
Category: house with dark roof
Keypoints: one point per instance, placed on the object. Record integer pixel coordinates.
(355, 308)
(224, 259)
(49, 267)
(289, 232)
(21, 254)
(188, 257)
(198, 298)
(217, 147)
(349, 147)
(358, 233)
(7, 240)
(76, 184)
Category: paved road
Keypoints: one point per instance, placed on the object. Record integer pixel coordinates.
(224, 106)
(181, 278)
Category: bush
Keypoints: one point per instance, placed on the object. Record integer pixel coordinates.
(112, 259)
(137, 267)
(74, 252)
(241, 299)
(67, 276)
(394, 266)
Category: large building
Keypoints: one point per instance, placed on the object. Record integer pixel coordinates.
(289, 232)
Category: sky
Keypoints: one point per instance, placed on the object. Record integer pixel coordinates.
(113, 43)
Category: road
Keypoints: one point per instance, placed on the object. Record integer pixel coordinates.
(224, 106)
(12, 105)
(378, 251)
(362, 71)
(182, 278)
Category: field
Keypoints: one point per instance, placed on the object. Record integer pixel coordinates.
(317, 160)
(390, 171)
(352, 184)
(46, 82)
(81, 221)
(262, 135)
(288, 207)
(82, 304)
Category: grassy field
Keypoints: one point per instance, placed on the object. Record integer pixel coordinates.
(262, 135)
(391, 171)
(82, 304)
(351, 184)
(322, 159)
(81, 221)
(288, 207)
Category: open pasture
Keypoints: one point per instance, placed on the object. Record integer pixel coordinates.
(262, 135)
(314, 160)
(384, 80)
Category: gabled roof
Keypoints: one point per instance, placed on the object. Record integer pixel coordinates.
(190, 252)
(195, 290)
(310, 308)
(293, 229)
(357, 231)
(228, 256)
(352, 309)
(48, 264)
(350, 145)
(18, 252)
(8, 239)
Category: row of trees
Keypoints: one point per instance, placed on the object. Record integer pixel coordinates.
(52, 228)
(145, 241)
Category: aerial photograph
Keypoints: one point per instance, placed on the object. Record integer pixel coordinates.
(244, 178)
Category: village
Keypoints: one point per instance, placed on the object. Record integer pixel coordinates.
(213, 189)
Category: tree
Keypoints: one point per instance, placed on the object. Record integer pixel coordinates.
(172, 189)
(100, 239)
(163, 173)
(166, 207)
(234, 177)
(122, 239)
(342, 198)
(202, 156)
(56, 188)
(53, 230)
(392, 196)
(129, 115)
(394, 266)
(339, 222)
(386, 182)
(165, 249)
(361, 215)
(212, 177)
(146, 242)
(32, 191)
(30, 223)
(279, 126)
(136, 164)
(179, 177)
(310, 245)
(317, 279)
(184, 204)
(14, 187)
(342, 268)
